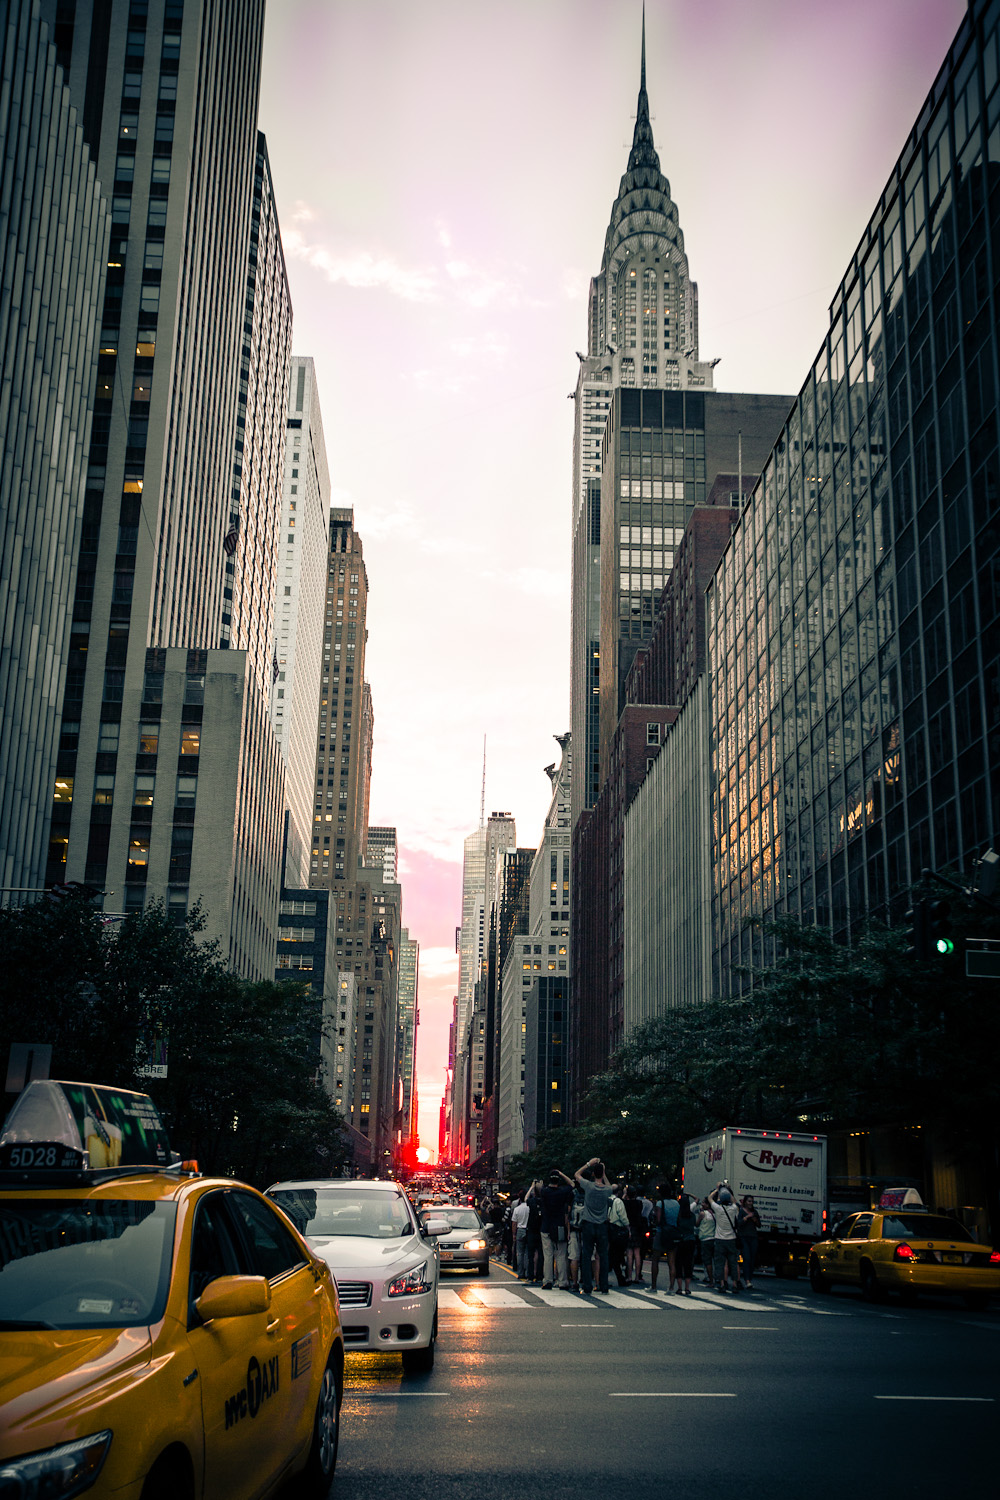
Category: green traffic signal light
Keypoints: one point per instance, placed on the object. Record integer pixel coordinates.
(945, 945)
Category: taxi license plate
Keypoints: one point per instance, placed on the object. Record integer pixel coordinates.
(952, 1260)
(446, 1255)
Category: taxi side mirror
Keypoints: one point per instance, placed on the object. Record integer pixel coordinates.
(436, 1226)
(234, 1297)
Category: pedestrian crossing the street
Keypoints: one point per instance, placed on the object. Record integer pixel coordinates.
(507, 1296)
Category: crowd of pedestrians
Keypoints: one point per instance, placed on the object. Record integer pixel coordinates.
(572, 1232)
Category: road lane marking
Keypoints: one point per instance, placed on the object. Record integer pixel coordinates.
(988, 1399)
(394, 1394)
(701, 1395)
(586, 1325)
(750, 1328)
(448, 1298)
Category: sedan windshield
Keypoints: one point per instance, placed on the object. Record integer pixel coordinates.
(922, 1227)
(458, 1218)
(375, 1213)
(84, 1263)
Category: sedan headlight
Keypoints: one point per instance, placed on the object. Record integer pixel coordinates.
(57, 1472)
(406, 1285)
(474, 1245)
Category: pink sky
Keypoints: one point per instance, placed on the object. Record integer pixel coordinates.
(444, 171)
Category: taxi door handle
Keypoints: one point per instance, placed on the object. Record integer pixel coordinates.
(273, 1327)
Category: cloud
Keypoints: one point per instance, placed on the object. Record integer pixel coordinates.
(575, 284)
(399, 520)
(364, 269)
(438, 963)
(478, 287)
(475, 347)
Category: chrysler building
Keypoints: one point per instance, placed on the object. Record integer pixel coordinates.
(643, 333)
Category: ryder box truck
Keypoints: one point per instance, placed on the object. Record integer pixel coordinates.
(785, 1173)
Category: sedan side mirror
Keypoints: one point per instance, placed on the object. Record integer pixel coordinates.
(437, 1226)
(234, 1297)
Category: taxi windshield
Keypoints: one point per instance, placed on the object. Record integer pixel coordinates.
(84, 1263)
(375, 1213)
(922, 1227)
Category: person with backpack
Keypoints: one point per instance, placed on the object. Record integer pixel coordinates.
(618, 1232)
(727, 1250)
(706, 1240)
(556, 1202)
(684, 1254)
(666, 1237)
(597, 1194)
(519, 1224)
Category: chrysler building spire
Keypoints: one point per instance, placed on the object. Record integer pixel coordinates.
(643, 153)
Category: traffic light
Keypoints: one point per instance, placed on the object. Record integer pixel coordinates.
(939, 935)
(918, 930)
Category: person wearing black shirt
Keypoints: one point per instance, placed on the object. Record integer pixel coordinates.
(556, 1201)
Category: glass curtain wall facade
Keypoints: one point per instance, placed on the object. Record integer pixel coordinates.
(54, 228)
(853, 623)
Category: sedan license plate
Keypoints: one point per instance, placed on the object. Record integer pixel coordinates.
(952, 1260)
(446, 1255)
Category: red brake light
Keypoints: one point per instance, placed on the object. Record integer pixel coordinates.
(995, 1257)
(903, 1252)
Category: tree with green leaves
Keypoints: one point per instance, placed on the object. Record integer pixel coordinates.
(242, 1094)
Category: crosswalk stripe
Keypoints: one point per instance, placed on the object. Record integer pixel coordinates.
(449, 1299)
(558, 1298)
(494, 1296)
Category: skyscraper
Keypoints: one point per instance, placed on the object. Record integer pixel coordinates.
(408, 1017)
(183, 491)
(381, 852)
(300, 608)
(854, 648)
(650, 435)
(642, 333)
(53, 250)
(343, 729)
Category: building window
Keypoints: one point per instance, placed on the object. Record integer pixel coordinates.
(187, 790)
(190, 741)
(104, 790)
(145, 785)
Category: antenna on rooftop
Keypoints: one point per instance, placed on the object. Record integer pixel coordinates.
(482, 795)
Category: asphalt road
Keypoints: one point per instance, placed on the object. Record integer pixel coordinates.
(774, 1393)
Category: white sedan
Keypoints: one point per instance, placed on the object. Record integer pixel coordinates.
(384, 1263)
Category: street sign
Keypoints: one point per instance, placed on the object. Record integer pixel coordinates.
(982, 958)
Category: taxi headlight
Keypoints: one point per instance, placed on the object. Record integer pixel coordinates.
(57, 1472)
(474, 1245)
(403, 1286)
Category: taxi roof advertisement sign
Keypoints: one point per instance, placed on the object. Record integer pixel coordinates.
(110, 1127)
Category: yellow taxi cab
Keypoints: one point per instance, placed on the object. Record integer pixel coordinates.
(162, 1334)
(903, 1248)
